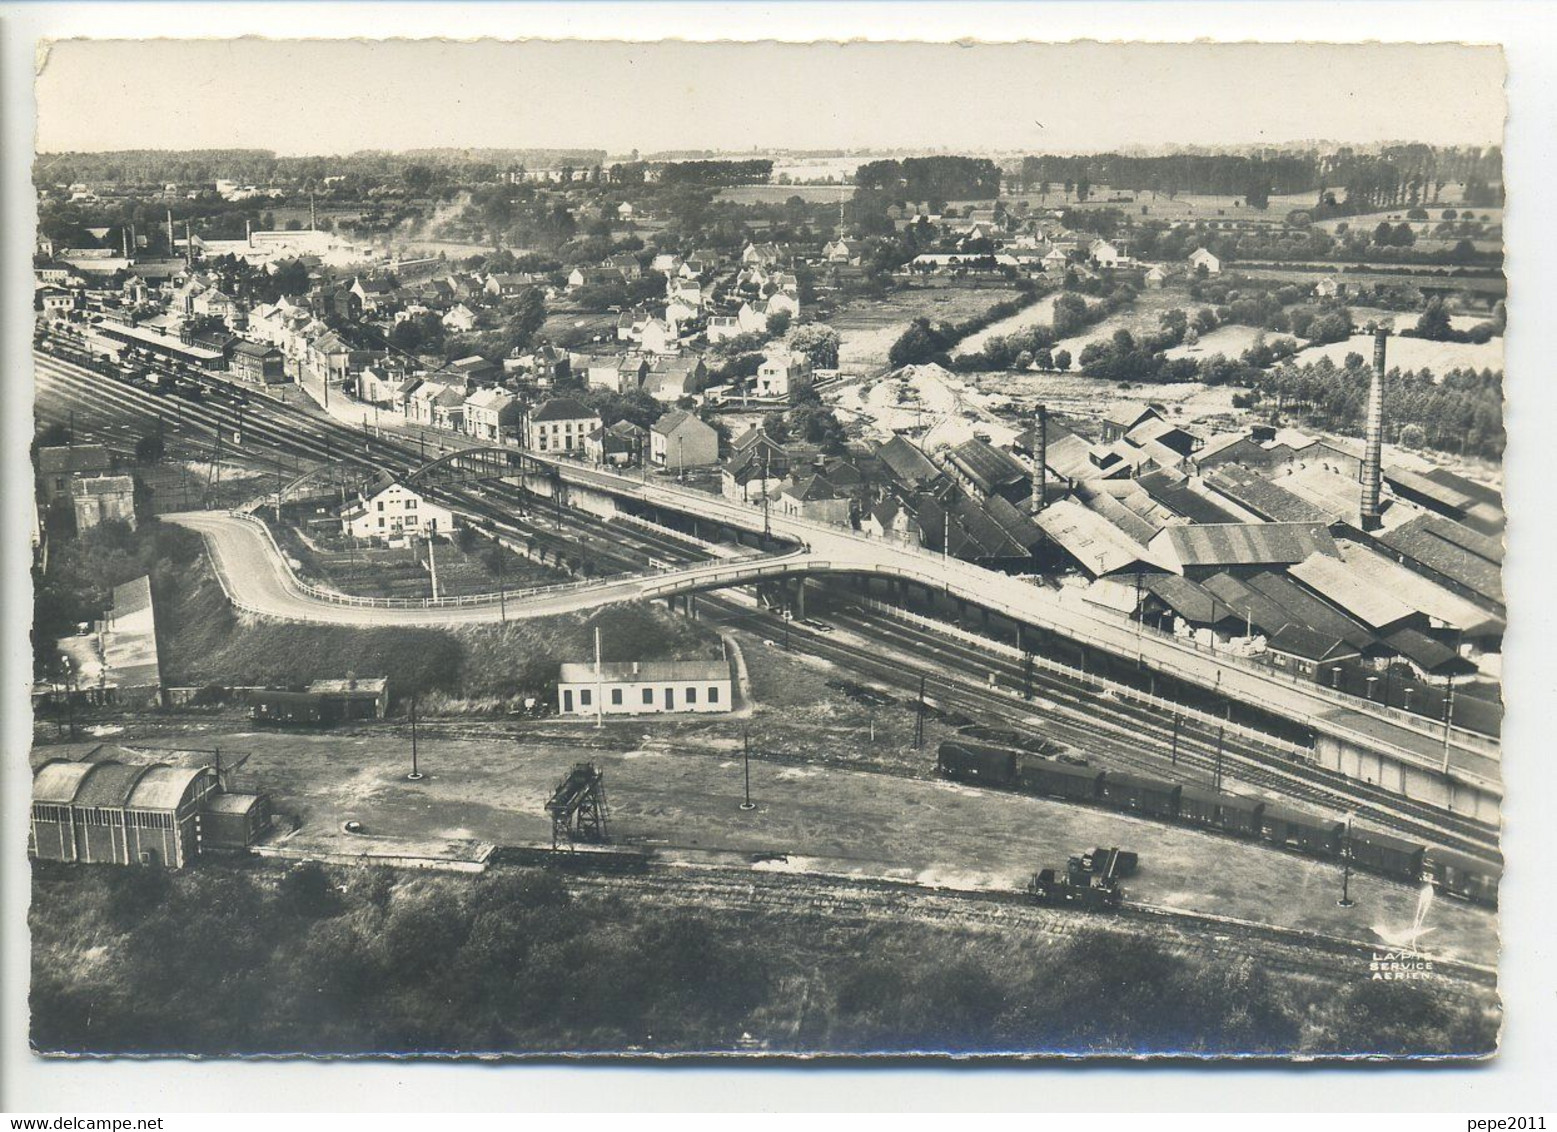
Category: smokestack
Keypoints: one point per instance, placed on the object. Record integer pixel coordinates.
(124, 238)
(248, 232)
(1373, 455)
(170, 231)
(189, 246)
(313, 215)
(1041, 458)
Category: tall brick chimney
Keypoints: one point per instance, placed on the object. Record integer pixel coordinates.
(1040, 458)
(1373, 455)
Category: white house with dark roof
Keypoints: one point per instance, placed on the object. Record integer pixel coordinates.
(561, 425)
(389, 507)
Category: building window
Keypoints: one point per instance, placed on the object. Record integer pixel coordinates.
(713, 695)
(648, 696)
(616, 697)
(691, 695)
(380, 504)
(585, 697)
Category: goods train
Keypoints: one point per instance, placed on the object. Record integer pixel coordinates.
(1453, 874)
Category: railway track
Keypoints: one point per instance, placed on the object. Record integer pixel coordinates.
(1242, 759)
(1069, 707)
(863, 901)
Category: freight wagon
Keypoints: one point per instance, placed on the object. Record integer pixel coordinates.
(1229, 813)
(1391, 856)
(1058, 780)
(976, 763)
(1293, 830)
(1140, 795)
(1455, 874)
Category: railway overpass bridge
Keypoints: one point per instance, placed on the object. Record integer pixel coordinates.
(1430, 762)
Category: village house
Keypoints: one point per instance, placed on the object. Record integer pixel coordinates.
(459, 318)
(781, 375)
(755, 467)
(389, 507)
(1200, 258)
(257, 363)
(58, 466)
(668, 380)
(644, 688)
(620, 445)
(812, 497)
(561, 426)
(97, 499)
(373, 294)
(493, 415)
(680, 440)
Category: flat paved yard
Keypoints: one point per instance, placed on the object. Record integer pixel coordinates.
(679, 790)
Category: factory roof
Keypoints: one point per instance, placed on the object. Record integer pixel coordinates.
(1452, 550)
(1094, 542)
(1243, 544)
(1256, 610)
(1308, 610)
(1341, 584)
(1265, 498)
(58, 780)
(1309, 644)
(1173, 491)
(1186, 598)
(350, 686)
(231, 803)
(1389, 578)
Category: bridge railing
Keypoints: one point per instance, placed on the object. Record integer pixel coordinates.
(713, 573)
(977, 584)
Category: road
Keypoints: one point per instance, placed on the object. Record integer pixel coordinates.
(1473, 758)
(257, 579)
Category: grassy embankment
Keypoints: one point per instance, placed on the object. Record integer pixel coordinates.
(235, 960)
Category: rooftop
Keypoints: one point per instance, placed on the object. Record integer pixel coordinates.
(643, 672)
(1244, 544)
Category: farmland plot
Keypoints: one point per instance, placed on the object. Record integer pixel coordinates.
(868, 327)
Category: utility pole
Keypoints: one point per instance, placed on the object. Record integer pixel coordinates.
(432, 566)
(1346, 900)
(748, 804)
(1027, 675)
(1448, 722)
(919, 718)
(416, 774)
(1217, 772)
(1173, 755)
(599, 689)
(502, 592)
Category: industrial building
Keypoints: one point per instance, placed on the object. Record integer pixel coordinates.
(153, 814)
(644, 687)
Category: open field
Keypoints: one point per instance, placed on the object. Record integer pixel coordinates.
(1040, 313)
(1416, 353)
(868, 327)
(1139, 318)
(1231, 340)
(339, 960)
(778, 194)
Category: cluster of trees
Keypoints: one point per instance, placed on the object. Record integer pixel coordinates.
(325, 960)
(923, 342)
(935, 179)
(1219, 174)
(717, 174)
(421, 167)
(1461, 413)
(515, 322)
(1435, 325)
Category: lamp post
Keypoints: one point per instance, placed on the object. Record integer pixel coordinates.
(416, 774)
(1372, 680)
(1346, 900)
(748, 804)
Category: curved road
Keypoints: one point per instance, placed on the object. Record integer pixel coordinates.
(258, 580)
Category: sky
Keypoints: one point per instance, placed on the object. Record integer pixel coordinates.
(338, 96)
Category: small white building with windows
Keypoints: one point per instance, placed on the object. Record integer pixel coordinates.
(649, 687)
(389, 508)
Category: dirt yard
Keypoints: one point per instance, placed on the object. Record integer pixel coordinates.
(682, 791)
